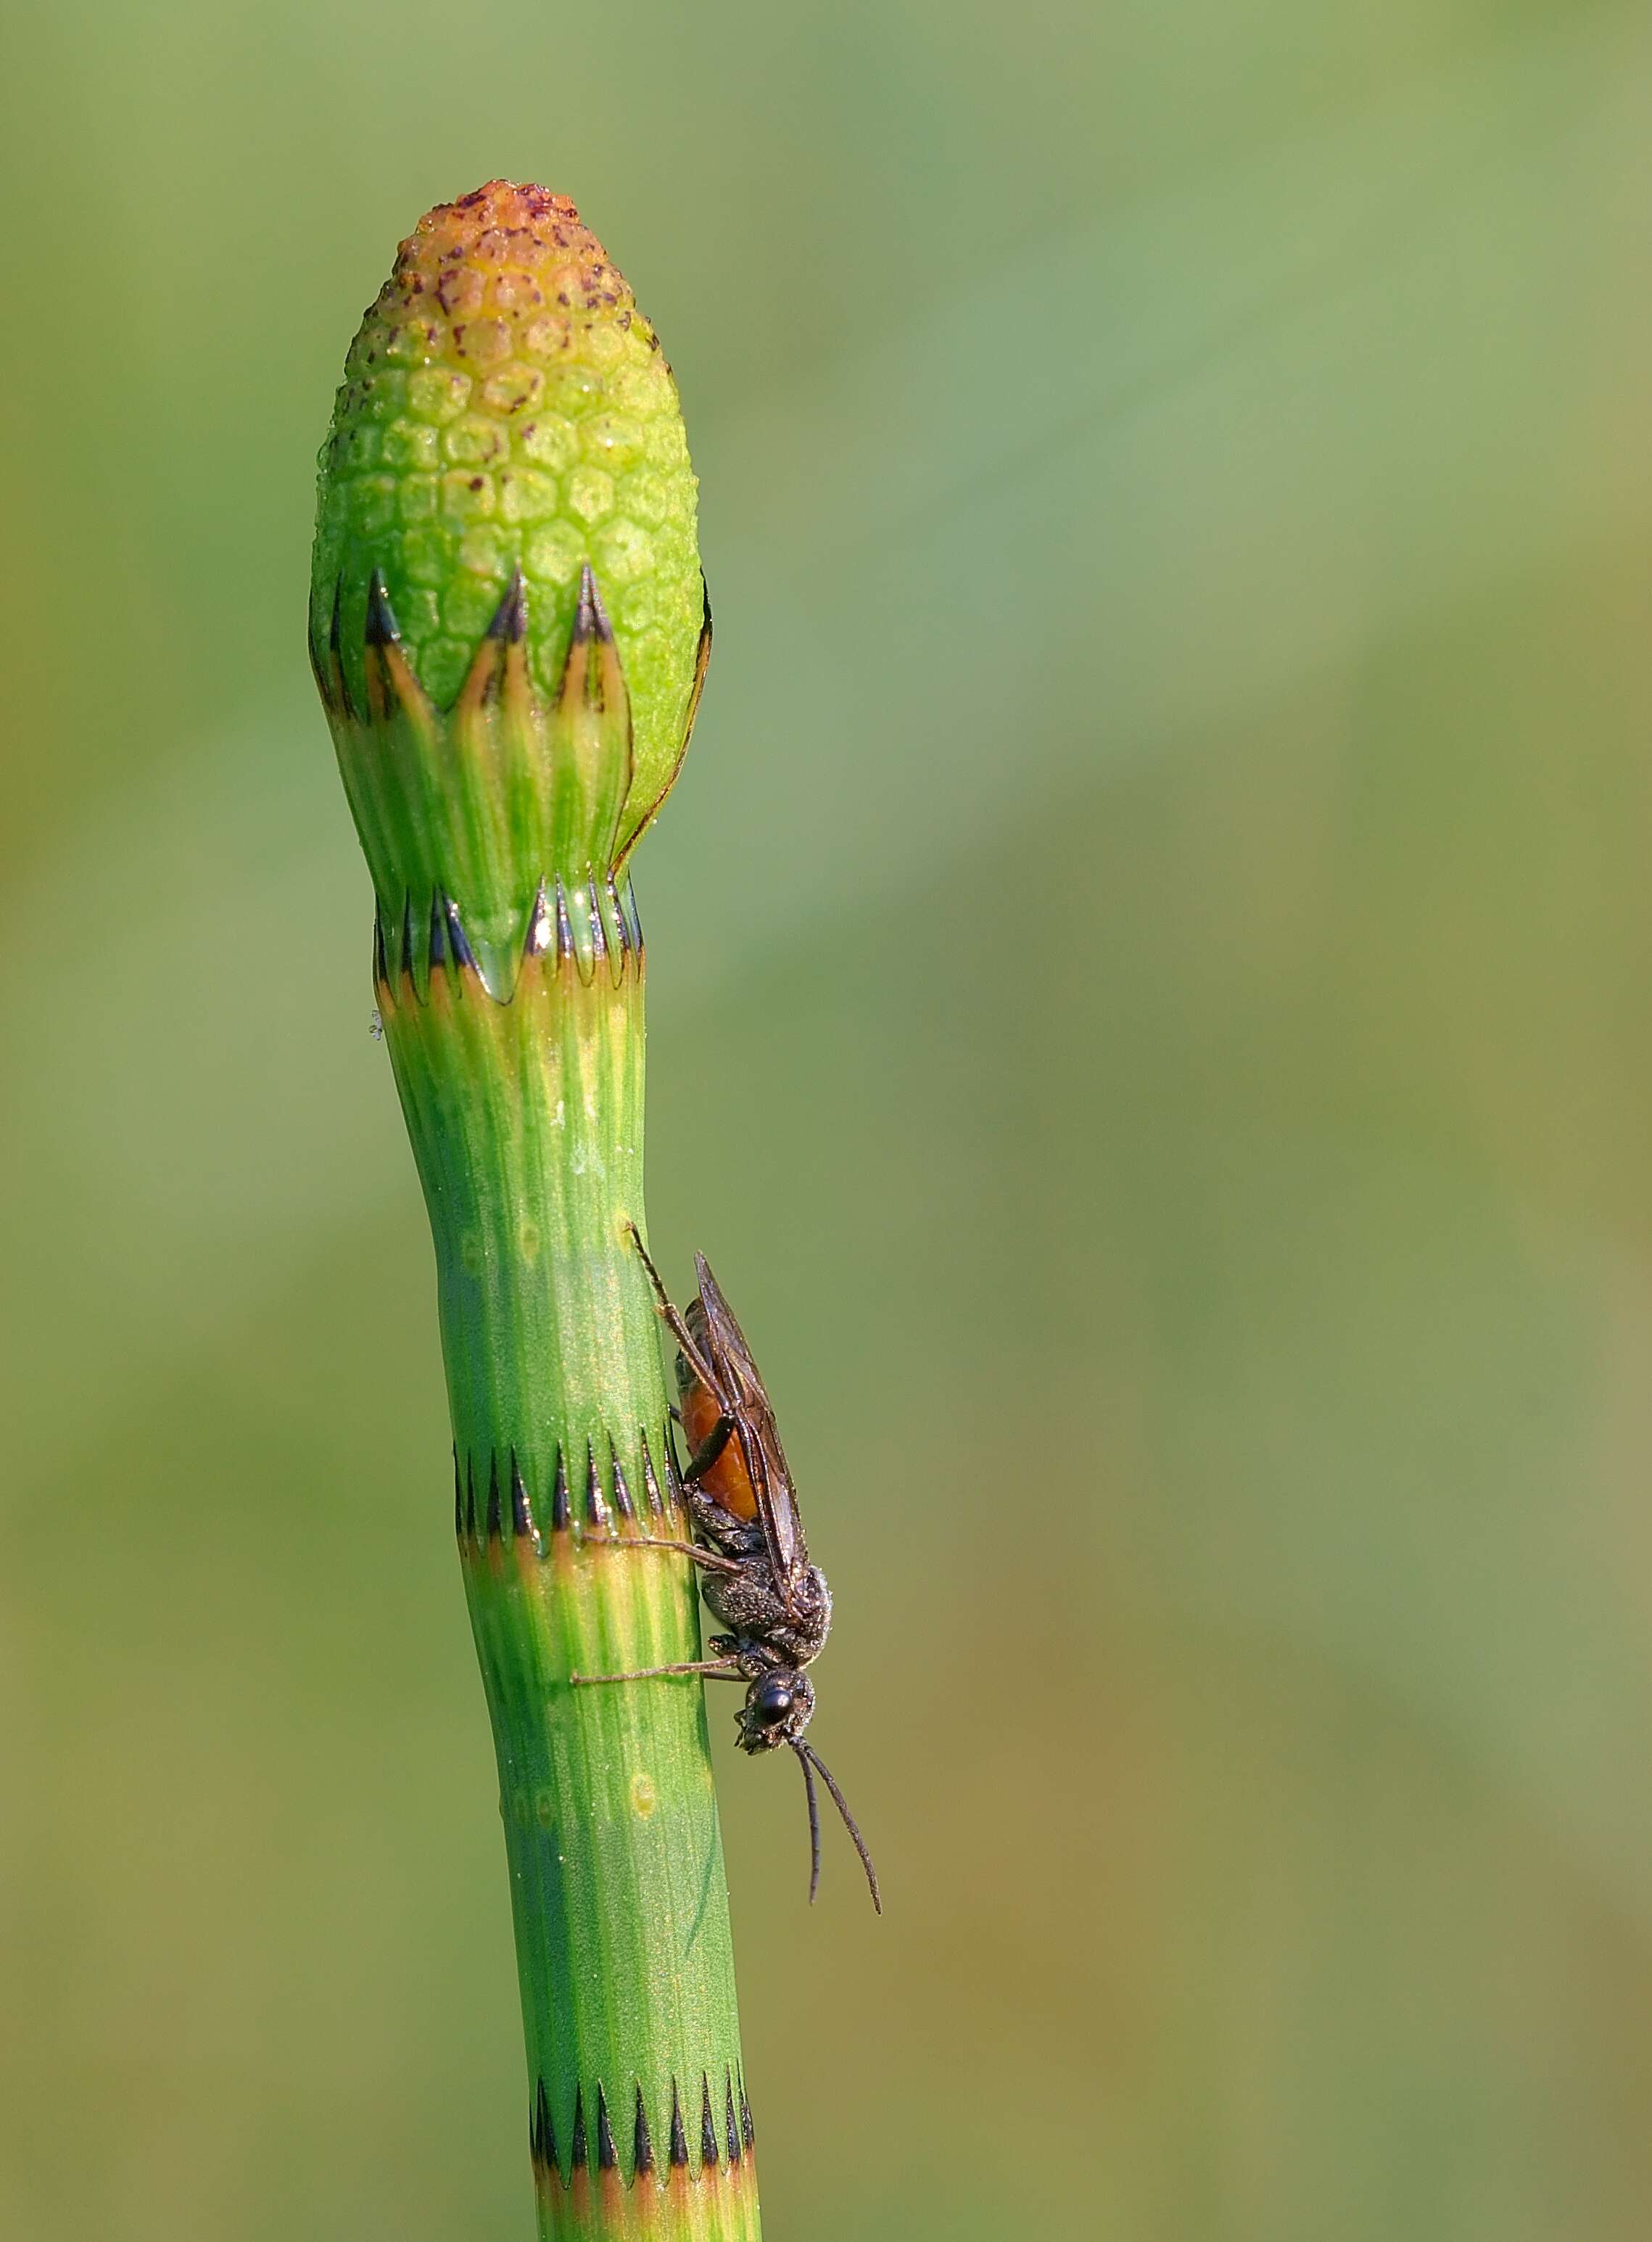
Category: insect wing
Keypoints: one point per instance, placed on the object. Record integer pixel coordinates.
(746, 1399)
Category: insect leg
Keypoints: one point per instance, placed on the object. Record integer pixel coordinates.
(718, 1670)
(709, 1449)
(708, 1558)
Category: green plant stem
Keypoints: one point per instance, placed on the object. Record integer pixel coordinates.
(527, 1124)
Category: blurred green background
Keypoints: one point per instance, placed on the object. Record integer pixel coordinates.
(1149, 965)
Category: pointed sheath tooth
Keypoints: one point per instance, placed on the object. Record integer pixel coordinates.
(582, 2152)
(604, 680)
(510, 617)
(393, 689)
(641, 2141)
(590, 738)
(438, 940)
(380, 962)
(748, 2132)
(522, 1510)
(380, 638)
(673, 1476)
(679, 2136)
(650, 1485)
(571, 689)
(500, 670)
(574, 922)
(470, 1501)
(544, 2132)
(730, 2126)
(381, 621)
(592, 621)
(622, 1502)
(622, 931)
(495, 1516)
(540, 926)
(708, 2124)
(590, 617)
(636, 918)
(594, 616)
(606, 2157)
(337, 678)
(408, 971)
(459, 1501)
(596, 1509)
(558, 1494)
(598, 933)
(458, 941)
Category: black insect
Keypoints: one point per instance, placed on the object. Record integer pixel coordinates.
(755, 1569)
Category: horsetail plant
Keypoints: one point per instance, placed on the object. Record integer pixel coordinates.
(508, 627)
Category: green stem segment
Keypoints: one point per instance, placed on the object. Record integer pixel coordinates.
(509, 970)
(527, 1124)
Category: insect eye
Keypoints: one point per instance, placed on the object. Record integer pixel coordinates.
(771, 1701)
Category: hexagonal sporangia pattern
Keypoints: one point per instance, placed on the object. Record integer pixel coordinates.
(507, 404)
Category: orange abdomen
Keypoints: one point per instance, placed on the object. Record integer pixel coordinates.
(728, 1481)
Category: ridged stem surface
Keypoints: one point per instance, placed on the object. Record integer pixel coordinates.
(527, 1124)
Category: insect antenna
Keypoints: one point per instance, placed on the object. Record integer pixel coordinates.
(813, 1823)
(813, 1758)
